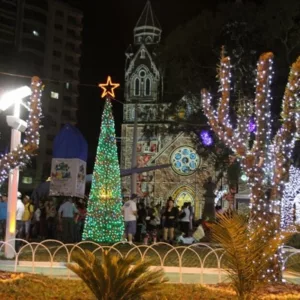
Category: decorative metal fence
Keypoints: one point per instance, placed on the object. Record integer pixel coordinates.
(202, 263)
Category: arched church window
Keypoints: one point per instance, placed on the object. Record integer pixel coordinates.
(143, 53)
(142, 73)
(148, 40)
(185, 160)
(148, 87)
(137, 87)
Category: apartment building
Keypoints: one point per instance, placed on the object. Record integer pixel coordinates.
(41, 38)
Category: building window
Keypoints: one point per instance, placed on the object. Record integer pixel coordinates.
(66, 113)
(49, 151)
(56, 53)
(46, 170)
(148, 40)
(143, 52)
(58, 27)
(148, 87)
(54, 95)
(52, 109)
(142, 73)
(137, 87)
(59, 13)
(57, 40)
(69, 73)
(50, 137)
(55, 67)
(72, 20)
(27, 180)
(184, 160)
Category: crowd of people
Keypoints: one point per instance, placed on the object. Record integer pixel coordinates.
(63, 219)
(154, 222)
(50, 219)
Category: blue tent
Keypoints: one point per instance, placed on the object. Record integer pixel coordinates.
(70, 143)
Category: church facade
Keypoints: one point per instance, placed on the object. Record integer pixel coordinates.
(186, 171)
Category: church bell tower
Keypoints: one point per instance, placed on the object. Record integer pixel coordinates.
(143, 84)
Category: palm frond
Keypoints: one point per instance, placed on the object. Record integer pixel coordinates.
(114, 277)
(249, 250)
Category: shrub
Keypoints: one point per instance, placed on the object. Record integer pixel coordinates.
(113, 277)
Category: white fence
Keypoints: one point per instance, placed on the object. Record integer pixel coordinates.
(202, 263)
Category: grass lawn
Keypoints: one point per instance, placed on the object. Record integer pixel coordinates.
(28, 286)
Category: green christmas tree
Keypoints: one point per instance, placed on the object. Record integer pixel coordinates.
(104, 221)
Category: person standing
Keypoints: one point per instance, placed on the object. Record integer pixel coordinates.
(141, 221)
(79, 220)
(43, 220)
(152, 220)
(50, 217)
(37, 219)
(170, 217)
(66, 215)
(3, 215)
(192, 215)
(27, 216)
(184, 217)
(19, 219)
(130, 213)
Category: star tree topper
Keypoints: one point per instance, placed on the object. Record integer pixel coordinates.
(108, 88)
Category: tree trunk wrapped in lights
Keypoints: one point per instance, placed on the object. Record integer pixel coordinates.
(266, 162)
(291, 193)
(20, 156)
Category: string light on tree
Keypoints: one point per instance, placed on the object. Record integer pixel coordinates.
(20, 156)
(290, 193)
(251, 126)
(206, 138)
(104, 221)
(266, 163)
(220, 194)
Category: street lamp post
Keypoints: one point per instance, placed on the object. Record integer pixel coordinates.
(134, 145)
(13, 98)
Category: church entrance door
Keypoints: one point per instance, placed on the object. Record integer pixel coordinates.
(182, 195)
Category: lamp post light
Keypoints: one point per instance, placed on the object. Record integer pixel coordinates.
(7, 100)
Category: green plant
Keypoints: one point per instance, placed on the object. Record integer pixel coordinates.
(248, 250)
(113, 277)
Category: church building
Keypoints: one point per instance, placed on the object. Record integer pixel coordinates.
(183, 179)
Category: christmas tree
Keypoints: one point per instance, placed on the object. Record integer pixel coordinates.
(104, 221)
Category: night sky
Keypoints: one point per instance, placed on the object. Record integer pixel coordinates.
(108, 30)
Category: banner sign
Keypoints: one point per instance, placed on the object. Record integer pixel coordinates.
(68, 177)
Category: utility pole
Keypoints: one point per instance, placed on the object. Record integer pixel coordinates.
(134, 146)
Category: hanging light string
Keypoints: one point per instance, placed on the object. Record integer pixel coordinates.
(93, 85)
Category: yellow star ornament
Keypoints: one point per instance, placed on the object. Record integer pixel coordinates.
(108, 88)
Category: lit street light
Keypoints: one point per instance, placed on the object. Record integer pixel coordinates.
(7, 100)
